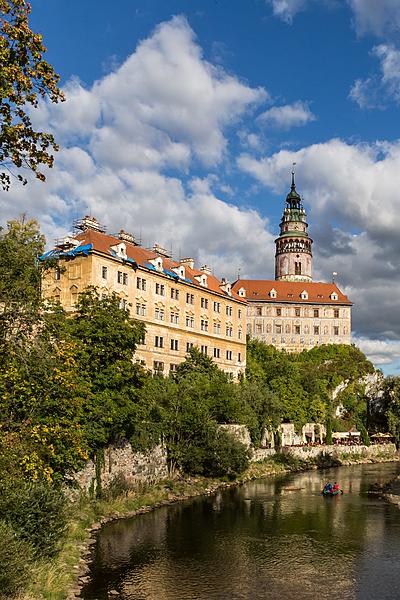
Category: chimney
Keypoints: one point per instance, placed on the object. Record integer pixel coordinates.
(161, 251)
(187, 262)
(127, 237)
(205, 269)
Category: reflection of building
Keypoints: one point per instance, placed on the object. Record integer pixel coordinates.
(181, 306)
(292, 311)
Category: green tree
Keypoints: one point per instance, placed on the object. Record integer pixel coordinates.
(25, 77)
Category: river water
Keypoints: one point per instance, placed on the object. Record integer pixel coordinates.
(275, 538)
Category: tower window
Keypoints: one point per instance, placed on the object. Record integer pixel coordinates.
(297, 268)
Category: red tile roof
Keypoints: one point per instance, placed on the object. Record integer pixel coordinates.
(102, 242)
(257, 290)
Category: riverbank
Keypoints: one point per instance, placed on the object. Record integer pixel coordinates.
(65, 575)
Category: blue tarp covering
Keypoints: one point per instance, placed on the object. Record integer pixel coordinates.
(56, 253)
(150, 266)
(130, 260)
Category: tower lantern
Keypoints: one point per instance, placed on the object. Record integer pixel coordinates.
(293, 256)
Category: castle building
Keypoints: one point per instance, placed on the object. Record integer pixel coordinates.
(292, 312)
(180, 305)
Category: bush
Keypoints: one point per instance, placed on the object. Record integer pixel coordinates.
(119, 486)
(14, 561)
(218, 454)
(230, 457)
(36, 512)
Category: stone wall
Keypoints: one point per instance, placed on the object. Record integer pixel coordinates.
(306, 452)
(136, 467)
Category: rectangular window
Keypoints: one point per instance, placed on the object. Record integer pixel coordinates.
(204, 349)
(258, 328)
(123, 303)
(239, 357)
(278, 328)
(216, 353)
(160, 289)
(189, 321)
(104, 272)
(57, 273)
(336, 313)
(158, 367)
(217, 307)
(217, 328)
(175, 318)
(316, 313)
(119, 276)
(141, 284)
(297, 268)
(297, 312)
(172, 368)
(159, 341)
(174, 345)
(316, 330)
(239, 313)
(204, 303)
(159, 314)
(204, 325)
(229, 331)
(228, 311)
(229, 355)
(189, 298)
(189, 345)
(174, 293)
(336, 331)
(278, 312)
(297, 329)
(125, 278)
(239, 334)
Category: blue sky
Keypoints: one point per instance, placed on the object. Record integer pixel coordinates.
(183, 118)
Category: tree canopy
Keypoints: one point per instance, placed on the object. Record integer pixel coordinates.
(24, 78)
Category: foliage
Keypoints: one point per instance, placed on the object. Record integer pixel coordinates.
(387, 411)
(25, 77)
(14, 561)
(303, 383)
(37, 513)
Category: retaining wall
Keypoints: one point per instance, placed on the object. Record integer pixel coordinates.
(137, 467)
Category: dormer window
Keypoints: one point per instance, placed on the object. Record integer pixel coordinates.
(272, 293)
(120, 250)
(242, 292)
(304, 295)
(157, 262)
(180, 271)
(333, 296)
(202, 279)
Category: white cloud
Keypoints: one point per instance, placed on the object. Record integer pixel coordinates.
(287, 9)
(376, 91)
(380, 352)
(287, 116)
(163, 106)
(376, 16)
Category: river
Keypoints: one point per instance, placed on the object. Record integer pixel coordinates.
(274, 538)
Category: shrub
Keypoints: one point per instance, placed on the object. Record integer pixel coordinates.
(230, 457)
(119, 486)
(37, 513)
(14, 561)
(218, 454)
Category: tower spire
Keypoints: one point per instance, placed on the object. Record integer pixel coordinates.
(293, 186)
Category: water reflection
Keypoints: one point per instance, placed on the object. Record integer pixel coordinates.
(274, 538)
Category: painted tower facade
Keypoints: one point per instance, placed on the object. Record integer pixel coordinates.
(293, 256)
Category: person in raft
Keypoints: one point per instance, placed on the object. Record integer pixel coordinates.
(335, 487)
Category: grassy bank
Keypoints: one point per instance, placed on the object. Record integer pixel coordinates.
(60, 578)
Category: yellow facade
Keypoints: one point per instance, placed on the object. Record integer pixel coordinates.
(177, 314)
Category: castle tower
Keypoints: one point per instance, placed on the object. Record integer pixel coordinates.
(293, 256)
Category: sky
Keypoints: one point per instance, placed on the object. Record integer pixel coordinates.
(183, 119)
